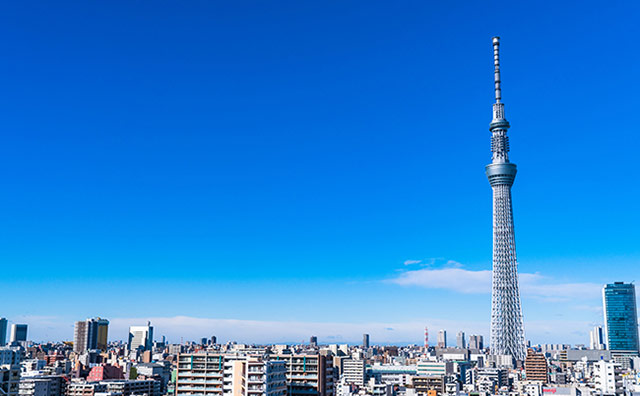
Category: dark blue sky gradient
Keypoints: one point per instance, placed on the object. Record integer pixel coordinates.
(265, 149)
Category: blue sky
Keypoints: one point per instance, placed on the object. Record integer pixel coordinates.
(311, 166)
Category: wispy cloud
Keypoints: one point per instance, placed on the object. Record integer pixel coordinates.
(455, 277)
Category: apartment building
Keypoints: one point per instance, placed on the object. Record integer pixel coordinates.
(353, 371)
(209, 374)
(308, 375)
(53, 385)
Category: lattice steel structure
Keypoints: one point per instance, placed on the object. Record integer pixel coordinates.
(507, 329)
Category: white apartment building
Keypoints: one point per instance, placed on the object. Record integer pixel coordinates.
(607, 378)
(353, 371)
(214, 374)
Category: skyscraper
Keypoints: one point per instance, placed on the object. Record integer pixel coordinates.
(365, 340)
(3, 331)
(90, 334)
(80, 337)
(460, 341)
(476, 342)
(141, 337)
(18, 332)
(507, 329)
(596, 338)
(442, 339)
(621, 317)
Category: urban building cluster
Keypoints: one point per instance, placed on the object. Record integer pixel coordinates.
(144, 366)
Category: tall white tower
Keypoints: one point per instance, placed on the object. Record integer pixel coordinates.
(507, 329)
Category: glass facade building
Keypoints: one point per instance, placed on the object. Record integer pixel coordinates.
(621, 316)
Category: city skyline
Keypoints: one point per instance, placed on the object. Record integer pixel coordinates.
(201, 158)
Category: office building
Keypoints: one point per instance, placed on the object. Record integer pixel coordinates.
(429, 368)
(313, 341)
(3, 332)
(460, 340)
(535, 367)
(90, 334)
(620, 317)
(476, 342)
(596, 338)
(141, 337)
(18, 333)
(365, 341)
(507, 328)
(442, 339)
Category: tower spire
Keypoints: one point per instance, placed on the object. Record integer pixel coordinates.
(496, 65)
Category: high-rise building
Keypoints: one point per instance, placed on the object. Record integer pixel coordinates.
(535, 367)
(101, 333)
(18, 332)
(365, 340)
(460, 341)
(476, 342)
(141, 337)
(230, 375)
(308, 374)
(442, 339)
(596, 338)
(90, 334)
(313, 341)
(621, 317)
(3, 331)
(80, 337)
(507, 328)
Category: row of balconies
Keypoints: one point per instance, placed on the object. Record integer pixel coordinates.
(207, 388)
(188, 373)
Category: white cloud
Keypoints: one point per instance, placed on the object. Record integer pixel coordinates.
(457, 279)
(467, 281)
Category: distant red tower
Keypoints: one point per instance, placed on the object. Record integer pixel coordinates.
(426, 337)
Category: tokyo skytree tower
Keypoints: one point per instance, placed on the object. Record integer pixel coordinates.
(507, 329)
